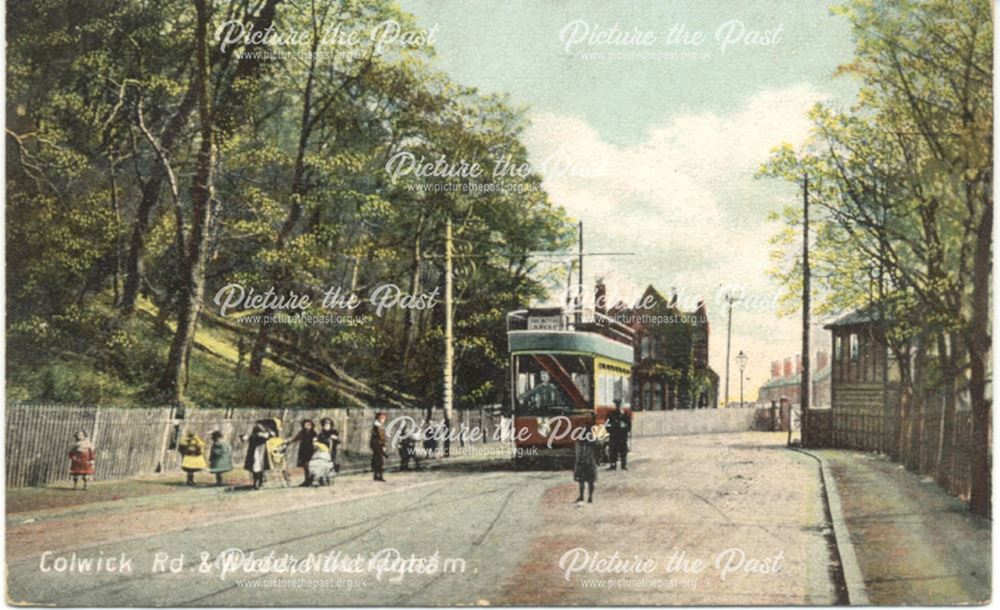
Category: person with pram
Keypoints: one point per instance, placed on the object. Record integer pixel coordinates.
(331, 438)
(321, 471)
(266, 451)
(306, 438)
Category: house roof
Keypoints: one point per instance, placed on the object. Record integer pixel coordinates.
(866, 315)
(778, 382)
(794, 380)
(671, 302)
(656, 293)
(709, 371)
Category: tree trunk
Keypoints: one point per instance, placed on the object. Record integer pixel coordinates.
(117, 214)
(905, 404)
(259, 349)
(947, 350)
(410, 321)
(147, 203)
(299, 191)
(979, 352)
(245, 69)
(193, 279)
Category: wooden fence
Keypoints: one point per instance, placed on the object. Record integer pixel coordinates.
(925, 449)
(916, 438)
(142, 441)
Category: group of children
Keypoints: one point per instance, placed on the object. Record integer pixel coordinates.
(317, 452)
(192, 450)
(266, 451)
(317, 455)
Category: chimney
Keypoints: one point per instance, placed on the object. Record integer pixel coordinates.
(600, 297)
(798, 364)
(673, 297)
(787, 369)
(775, 369)
(822, 360)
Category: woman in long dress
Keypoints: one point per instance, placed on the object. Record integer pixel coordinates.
(305, 438)
(257, 461)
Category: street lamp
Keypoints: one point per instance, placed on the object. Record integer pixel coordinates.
(741, 361)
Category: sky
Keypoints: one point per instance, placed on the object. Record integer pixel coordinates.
(664, 133)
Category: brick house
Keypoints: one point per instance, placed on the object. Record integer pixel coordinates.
(671, 368)
(786, 382)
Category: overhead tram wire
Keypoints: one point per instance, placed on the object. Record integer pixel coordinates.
(533, 255)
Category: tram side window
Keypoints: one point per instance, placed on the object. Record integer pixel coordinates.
(582, 383)
(620, 390)
(553, 383)
(613, 385)
(526, 382)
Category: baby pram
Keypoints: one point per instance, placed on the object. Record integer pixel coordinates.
(320, 465)
(277, 449)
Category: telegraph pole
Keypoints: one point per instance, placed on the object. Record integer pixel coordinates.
(578, 317)
(448, 397)
(804, 391)
(449, 347)
(729, 335)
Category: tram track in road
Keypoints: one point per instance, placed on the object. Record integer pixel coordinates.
(193, 563)
(417, 505)
(477, 542)
(347, 540)
(421, 503)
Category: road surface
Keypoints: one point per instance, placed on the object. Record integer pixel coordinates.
(719, 519)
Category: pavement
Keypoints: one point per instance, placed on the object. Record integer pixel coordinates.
(915, 544)
(727, 519)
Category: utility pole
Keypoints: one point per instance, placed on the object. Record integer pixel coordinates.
(741, 361)
(449, 347)
(729, 336)
(578, 317)
(804, 391)
(449, 313)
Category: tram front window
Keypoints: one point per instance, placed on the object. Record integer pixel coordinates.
(550, 384)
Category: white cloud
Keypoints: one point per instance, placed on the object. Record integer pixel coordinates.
(686, 202)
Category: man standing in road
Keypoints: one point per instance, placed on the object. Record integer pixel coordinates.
(377, 444)
(619, 426)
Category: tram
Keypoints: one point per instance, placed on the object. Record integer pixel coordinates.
(566, 370)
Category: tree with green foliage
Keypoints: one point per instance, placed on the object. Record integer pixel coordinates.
(902, 185)
(152, 166)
